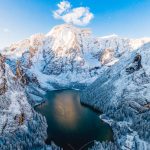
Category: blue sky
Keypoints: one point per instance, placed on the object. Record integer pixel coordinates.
(21, 18)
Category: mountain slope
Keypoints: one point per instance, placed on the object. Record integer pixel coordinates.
(122, 93)
(67, 57)
(20, 125)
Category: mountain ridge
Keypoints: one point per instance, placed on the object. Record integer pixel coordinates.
(80, 50)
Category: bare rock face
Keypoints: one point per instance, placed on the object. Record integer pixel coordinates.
(107, 56)
(136, 65)
(3, 81)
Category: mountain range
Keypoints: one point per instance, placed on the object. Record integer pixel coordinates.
(113, 73)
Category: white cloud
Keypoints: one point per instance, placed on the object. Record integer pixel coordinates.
(78, 16)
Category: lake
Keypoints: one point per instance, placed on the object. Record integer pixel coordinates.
(72, 125)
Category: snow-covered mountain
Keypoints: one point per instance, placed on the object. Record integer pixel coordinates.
(20, 126)
(68, 56)
(71, 57)
(122, 93)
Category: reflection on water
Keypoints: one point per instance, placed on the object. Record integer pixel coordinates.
(66, 111)
(69, 123)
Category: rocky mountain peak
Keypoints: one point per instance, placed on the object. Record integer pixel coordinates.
(67, 37)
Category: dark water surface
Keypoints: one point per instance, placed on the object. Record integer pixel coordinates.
(70, 124)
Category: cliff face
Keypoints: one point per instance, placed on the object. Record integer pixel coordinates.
(122, 93)
(20, 126)
(3, 81)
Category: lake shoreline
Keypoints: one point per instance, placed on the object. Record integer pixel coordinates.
(59, 110)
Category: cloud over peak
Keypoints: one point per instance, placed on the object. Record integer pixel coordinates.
(78, 16)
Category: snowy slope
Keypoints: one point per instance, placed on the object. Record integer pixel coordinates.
(122, 93)
(20, 126)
